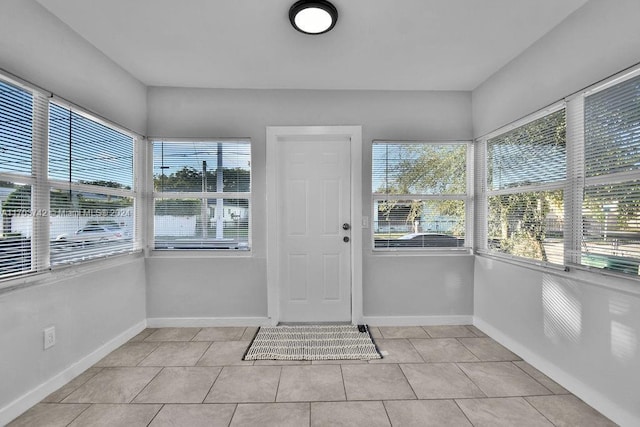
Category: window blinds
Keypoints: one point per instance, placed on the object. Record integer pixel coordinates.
(419, 194)
(16, 129)
(202, 194)
(91, 198)
(16, 179)
(82, 150)
(611, 194)
(525, 179)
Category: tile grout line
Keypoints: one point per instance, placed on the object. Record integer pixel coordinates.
(532, 377)
(235, 409)
(156, 414)
(426, 332)
(537, 410)
(344, 385)
(417, 351)
(386, 411)
(212, 384)
(275, 398)
(81, 412)
(147, 385)
(408, 382)
(462, 410)
(469, 378)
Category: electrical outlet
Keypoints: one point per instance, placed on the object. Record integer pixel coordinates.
(49, 337)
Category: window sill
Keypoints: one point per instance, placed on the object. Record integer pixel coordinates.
(593, 277)
(199, 253)
(63, 272)
(422, 252)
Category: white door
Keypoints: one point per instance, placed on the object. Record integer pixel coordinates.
(313, 229)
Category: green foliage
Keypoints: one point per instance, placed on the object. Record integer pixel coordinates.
(427, 169)
(517, 158)
(109, 184)
(518, 222)
(189, 179)
(18, 200)
(178, 207)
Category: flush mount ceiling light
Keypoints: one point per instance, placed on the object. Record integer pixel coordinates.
(313, 16)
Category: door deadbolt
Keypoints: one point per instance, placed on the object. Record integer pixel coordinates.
(345, 239)
(346, 226)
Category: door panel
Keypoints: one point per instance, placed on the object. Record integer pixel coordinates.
(314, 201)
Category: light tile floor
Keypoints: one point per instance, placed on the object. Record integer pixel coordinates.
(430, 376)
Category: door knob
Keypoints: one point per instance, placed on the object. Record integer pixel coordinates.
(345, 239)
(346, 226)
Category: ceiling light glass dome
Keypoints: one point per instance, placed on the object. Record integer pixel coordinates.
(313, 17)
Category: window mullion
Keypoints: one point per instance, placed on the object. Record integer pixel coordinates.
(148, 197)
(40, 253)
(574, 188)
(468, 203)
(481, 212)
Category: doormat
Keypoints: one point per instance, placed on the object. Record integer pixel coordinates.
(313, 342)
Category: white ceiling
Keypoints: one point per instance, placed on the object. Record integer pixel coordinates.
(376, 44)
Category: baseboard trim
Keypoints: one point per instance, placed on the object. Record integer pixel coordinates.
(26, 401)
(417, 320)
(203, 322)
(592, 397)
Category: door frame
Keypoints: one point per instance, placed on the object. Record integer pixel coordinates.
(274, 135)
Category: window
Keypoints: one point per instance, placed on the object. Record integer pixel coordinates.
(525, 179)
(91, 188)
(202, 194)
(420, 197)
(16, 134)
(611, 194)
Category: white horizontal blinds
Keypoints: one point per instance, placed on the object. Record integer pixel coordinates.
(419, 168)
(16, 129)
(91, 179)
(197, 166)
(532, 154)
(526, 174)
(611, 199)
(82, 150)
(17, 229)
(436, 223)
(16, 216)
(419, 194)
(88, 225)
(202, 194)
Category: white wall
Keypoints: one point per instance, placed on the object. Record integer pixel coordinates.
(79, 302)
(418, 287)
(197, 288)
(585, 336)
(598, 40)
(37, 47)
(176, 112)
(89, 306)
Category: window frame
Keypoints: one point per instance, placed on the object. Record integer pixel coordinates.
(466, 198)
(485, 193)
(158, 195)
(41, 186)
(580, 180)
(573, 187)
(132, 193)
